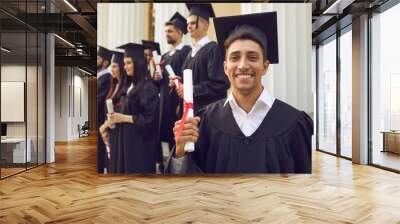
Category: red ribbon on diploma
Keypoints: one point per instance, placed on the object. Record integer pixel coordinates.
(187, 106)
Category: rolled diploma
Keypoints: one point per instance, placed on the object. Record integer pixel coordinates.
(157, 59)
(110, 109)
(172, 75)
(188, 97)
(151, 68)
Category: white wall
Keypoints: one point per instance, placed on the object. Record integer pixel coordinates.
(314, 88)
(12, 73)
(291, 79)
(33, 127)
(71, 93)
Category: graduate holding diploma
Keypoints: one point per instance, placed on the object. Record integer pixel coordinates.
(250, 131)
(174, 30)
(114, 102)
(104, 81)
(137, 144)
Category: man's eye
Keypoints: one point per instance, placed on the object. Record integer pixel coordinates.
(253, 58)
(234, 58)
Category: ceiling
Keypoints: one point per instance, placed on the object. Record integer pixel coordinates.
(332, 15)
(74, 22)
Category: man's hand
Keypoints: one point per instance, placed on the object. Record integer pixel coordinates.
(179, 88)
(172, 81)
(190, 133)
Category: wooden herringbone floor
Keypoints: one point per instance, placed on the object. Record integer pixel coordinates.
(70, 191)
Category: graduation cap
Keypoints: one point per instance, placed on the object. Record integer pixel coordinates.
(204, 10)
(262, 26)
(104, 53)
(118, 57)
(178, 21)
(134, 51)
(154, 46)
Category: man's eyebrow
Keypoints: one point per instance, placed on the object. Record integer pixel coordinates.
(234, 52)
(247, 52)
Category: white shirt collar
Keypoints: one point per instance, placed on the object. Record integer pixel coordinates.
(203, 41)
(179, 46)
(199, 44)
(102, 72)
(265, 98)
(174, 49)
(250, 122)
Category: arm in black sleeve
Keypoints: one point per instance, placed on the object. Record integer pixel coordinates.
(217, 82)
(300, 144)
(147, 120)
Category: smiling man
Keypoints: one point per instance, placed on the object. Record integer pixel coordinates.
(250, 131)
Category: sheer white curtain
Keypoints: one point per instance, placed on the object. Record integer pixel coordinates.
(162, 12)
(290, 80)
(120, 23)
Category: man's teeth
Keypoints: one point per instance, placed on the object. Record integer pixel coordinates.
(244, 76)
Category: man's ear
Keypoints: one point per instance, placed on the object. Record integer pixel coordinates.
(206, 22)
(226, 69)
(265, 65)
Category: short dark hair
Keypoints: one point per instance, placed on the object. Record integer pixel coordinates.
(175, 27)
(243, 35)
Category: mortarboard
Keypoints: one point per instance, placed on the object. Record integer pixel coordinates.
(155, 46)
(203, 10)
(178, 21)
(118, 57)
(104, 53)
(263, 26)
(134, 51)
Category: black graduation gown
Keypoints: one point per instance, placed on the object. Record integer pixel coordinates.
(282, 143)
(103, 85)
(210, 83)
(169, 100)
(137, 143)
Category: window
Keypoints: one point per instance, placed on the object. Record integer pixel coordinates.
(327, 96)
(346, 93)
(385, 89)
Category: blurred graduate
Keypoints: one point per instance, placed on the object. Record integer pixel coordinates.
(116, 94)
(151, 46)
(205, 60)
(251, 131)
(104, 81)
(174, 30)
(137, 141)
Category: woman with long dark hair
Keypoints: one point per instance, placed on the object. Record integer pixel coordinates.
(119, 80)
(137, 144)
